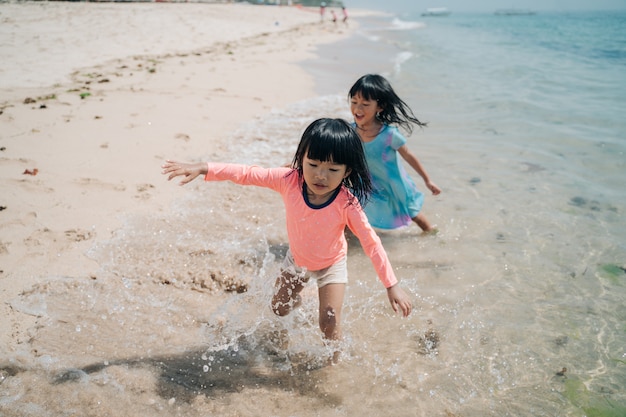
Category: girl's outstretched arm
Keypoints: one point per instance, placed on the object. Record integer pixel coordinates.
(399, 300)
(188, 171)
(412, 160)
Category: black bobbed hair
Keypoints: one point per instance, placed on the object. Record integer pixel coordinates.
(334, 140)
(394, 110)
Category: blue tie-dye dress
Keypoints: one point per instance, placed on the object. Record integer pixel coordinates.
(396, 199)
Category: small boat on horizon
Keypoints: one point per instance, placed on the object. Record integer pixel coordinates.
(436, 11)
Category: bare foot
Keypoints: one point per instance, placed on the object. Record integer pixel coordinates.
(430, 232)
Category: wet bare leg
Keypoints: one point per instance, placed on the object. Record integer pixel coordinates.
(424, 224)
(287, 296)
(331, 300)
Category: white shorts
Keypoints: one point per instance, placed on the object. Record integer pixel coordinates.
(334, 274)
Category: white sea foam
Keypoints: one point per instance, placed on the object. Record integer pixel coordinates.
(399, 24)
(401, 58)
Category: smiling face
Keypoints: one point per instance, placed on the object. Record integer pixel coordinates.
(364, 111)
(322, 178)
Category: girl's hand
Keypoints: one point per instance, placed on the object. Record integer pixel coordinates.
(188, 171)
(433, 188)
(399, 300)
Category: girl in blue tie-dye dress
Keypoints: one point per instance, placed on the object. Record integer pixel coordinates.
(396, 201)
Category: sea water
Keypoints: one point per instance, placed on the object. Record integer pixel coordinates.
(527, 139)
(519, 299)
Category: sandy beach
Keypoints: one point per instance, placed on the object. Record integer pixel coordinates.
(94, 97)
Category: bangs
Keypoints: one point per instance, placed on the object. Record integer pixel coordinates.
(331, 149)
(366, 89)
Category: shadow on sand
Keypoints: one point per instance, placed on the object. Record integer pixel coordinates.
(200, 372)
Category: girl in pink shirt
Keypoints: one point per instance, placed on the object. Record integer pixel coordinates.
(322, 192)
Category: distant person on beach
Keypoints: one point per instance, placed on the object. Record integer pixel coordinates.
(322, 11)
(322, 192)
(344, 11)
(395, 200)
(334, 16)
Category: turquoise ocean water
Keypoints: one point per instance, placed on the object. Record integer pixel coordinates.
(527, 138)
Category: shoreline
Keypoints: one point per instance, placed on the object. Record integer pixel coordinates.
(95, 144)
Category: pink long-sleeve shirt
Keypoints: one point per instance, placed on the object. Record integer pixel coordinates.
(316, 234)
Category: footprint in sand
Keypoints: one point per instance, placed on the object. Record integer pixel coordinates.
(98, 183)
(45, 236)
(39, 237)
(78, 235)
(142, 191)
(183, 136)
(4, 247)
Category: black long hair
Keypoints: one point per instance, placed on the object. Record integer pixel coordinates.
(394, 110)
(335, 140)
